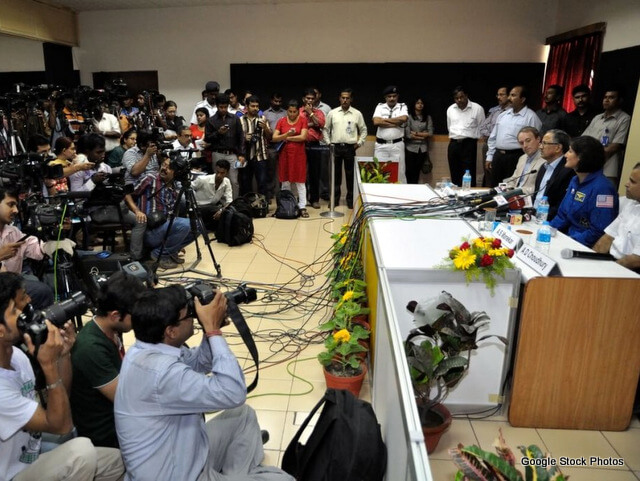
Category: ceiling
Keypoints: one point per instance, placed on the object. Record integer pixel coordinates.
(88, 5)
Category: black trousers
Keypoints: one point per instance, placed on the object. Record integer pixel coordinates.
(344, 154)
(504, 164)
(314, 158)
(413, 163)
(462, 155)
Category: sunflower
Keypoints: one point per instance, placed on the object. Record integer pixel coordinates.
(464, 260)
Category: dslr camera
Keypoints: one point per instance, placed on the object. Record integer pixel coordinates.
(204, 292)
(31, 322)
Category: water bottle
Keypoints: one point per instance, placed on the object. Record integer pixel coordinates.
(605, 138)
(542, 212)
(466, 181)
(543, 239)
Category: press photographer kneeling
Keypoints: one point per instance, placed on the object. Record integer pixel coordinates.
(164, 389)
(23, 419)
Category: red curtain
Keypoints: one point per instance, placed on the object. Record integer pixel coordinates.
(573, 63)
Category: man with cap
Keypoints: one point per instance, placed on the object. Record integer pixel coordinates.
(390, 118)
(212, 89)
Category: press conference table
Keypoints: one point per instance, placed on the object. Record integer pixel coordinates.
(577, 359)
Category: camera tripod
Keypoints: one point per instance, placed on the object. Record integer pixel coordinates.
(196, 224)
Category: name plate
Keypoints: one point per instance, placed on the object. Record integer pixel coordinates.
(539, 262)
(509, 238)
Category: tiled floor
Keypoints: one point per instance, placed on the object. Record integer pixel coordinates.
(286, 263)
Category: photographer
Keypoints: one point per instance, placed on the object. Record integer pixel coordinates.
(39, 144)
(106, 124)
(140, 159)
(97, 357)
(213, 193)
(14, 248)
(164, 389)
(223, 133)
(24, 419)
(65, 151)
(257, 134)
(96, 180)
(152, 201)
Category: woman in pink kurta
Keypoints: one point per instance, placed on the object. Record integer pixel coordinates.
(292, 161)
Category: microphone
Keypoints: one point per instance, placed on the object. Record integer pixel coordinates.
(509, 179)
(507, 195)
(570, 253)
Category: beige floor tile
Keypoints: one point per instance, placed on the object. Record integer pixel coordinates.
(271, 457)
(271, 394)
(587, 474)
(310, 369)
(290, 428)
(459, 432)
(442, 470)
(272, 421)
(310, 392)
(487, 432)
(577, 444)
(627, 445)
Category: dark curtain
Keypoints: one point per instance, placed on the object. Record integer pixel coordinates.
(572, 63)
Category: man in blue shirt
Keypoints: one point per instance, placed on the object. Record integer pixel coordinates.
(165, 388)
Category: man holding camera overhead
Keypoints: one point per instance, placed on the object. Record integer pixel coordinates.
(23, 419)
(165, 388)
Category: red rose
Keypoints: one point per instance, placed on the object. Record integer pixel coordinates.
(464, 246)
(510, 253)
(486, 260)
(496, 243)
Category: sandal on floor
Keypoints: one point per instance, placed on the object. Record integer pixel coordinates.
(304, 213)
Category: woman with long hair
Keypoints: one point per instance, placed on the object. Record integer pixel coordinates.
(65, 151)
(591, 201)
(417, 131)
(197, 135)
(292, 162)
(128, 140)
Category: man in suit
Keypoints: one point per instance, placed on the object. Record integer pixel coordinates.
(553, 177)
(529, 163)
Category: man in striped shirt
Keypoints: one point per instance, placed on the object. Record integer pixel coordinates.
(256, 131)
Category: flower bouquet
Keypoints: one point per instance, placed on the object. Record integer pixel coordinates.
(482, 257)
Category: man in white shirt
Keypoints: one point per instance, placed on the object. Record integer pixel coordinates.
(213, 194)
(390, 118)
(107, 125)
(464, 119)
(345, 129)
(621, 238)
(212, 89)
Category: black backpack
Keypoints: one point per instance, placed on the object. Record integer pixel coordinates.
(345, 444)
(258, 203)
(286, 205)
(235, 226)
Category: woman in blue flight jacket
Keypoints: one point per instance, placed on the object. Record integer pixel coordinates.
(591, 201)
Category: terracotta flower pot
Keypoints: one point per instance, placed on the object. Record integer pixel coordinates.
(432, 434)
(353, 383)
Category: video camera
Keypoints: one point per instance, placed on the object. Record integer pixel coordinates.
(205, 293)
(28, 171)
(31, 322)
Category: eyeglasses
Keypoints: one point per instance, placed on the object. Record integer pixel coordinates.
(550, 143)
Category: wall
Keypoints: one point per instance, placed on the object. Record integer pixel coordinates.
(622, 17)
(20, 54)
(412, 31)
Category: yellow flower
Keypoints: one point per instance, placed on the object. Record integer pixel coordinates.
(496, 252)
(464, 260)
(343, 239)
(347, 296)
(478, 242)
(342, 336)
(346, 259)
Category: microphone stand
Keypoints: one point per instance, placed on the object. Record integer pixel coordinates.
(332, 213)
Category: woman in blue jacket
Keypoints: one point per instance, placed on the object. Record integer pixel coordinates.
(591, 201)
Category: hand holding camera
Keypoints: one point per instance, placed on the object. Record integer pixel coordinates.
(50, 351)
(224, 129)
(99, 177)
(212, 316)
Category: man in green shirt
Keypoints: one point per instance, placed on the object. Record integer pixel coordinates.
(97, 357)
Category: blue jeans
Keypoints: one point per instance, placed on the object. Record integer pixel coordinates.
(179, 236)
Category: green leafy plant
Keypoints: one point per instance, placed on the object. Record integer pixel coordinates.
(342, 349)
(438, 351)
(475, 464)
(373, 172)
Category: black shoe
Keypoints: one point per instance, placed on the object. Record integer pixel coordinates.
(265, 436)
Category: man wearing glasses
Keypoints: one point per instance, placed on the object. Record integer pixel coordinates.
(553, 177)
(165, 388)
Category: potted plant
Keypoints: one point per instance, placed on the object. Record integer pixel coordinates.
(374, 172)
(343, 367)
(438, 353)
(479, 465)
